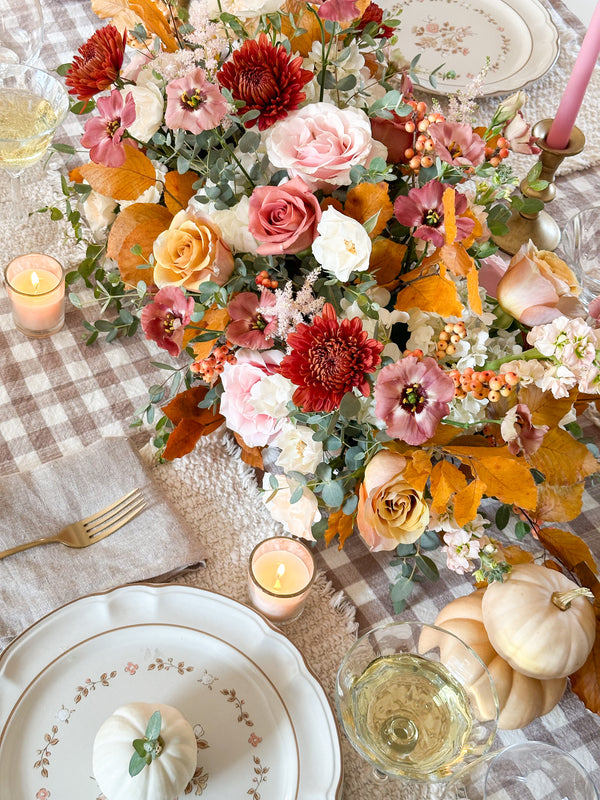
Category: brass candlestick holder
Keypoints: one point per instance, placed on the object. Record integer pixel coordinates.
(540, 227)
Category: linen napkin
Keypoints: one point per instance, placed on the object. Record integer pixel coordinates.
(41, 502)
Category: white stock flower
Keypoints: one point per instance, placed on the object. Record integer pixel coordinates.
(271, 396)
(99, 211)
(299, 451)
(297, 518)
(149, 108)
(342, 246)
(244, 9)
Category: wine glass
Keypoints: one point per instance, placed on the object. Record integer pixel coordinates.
(21, 30)
(580, 244)
(524, 771)
(32, 106)
(415, 701)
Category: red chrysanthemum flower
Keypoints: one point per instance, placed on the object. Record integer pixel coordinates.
(328, 359)
(264, 77)
(98, 64)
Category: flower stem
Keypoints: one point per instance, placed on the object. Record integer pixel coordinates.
(528, 355)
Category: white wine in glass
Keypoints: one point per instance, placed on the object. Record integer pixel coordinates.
(33, 103)
(416, 702)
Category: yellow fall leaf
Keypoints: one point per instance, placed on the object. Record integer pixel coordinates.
(127, 182)
(367, 200)
(138, 224)
(431, 294)
(385, 262)
(340, 524)
(563, 460)
(473, 291)
(179, 190)
(467, 501)
(568, 548)
(155, 22)
(446, 480)
(545, 408)
(418, 469)
(301, 42)
(559, 503)
(214, 319)
(448, 201)
(118, 11)
(456, 258)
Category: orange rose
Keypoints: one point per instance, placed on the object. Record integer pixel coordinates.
(190, 252)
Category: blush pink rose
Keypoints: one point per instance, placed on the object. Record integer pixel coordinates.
(238, 381)
(284, 218)
(320, 143)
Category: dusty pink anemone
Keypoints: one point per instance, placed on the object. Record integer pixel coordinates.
(253, 321)
(423, 210)
(194, 103)
(164, 320)
(411, 397)
(103, 135)
(457, 143)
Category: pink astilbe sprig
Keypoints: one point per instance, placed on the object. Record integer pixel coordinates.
(291, 311)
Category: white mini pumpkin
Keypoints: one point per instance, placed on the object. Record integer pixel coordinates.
(167, 775)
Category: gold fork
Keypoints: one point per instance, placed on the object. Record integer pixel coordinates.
(92, 529)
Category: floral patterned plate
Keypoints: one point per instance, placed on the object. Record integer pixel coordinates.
(263, 725)
(518, 36)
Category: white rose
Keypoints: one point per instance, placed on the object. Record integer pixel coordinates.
(149, 108)
(232, 222)
(299, 451)
(271, 396)
(99, 211)
(297, 518)
(342, 246)
(244, 9)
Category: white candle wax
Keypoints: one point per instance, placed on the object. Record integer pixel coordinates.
(281, 572)
(36, 289)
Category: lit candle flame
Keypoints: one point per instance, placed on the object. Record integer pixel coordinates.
(35, 281)
(279, 575)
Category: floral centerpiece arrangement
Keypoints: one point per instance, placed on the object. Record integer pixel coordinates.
(312, 245)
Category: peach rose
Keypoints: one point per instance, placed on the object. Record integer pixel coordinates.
(390, 512)
(537, 287)
(190, 252)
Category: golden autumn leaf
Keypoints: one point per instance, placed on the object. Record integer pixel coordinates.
(513, 554)
(563, 460)
(431, 294)
(446, 480)
(448, 202)
(249, 455)
(138, 224)
(339, 524)
(367, 200)
(473, 291)
(179, 190)
(466, 502)
(559, 503)
(191, 422)
(568, 548)
(586, 681)
(418, 469)
(505, 477)
(118, 11)
(155, 22)
(302, 42)
(214, 319)
(385, 263)
(444, 434)
(545, 408)
(456, 259)
(127, 182)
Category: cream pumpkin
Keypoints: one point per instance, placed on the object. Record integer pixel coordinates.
(520, 698)
(166, 776)
(539, 621)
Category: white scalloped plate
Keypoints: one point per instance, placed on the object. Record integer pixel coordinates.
(263, 724)
(518, 36)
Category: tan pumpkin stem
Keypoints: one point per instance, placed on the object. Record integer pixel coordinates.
(563, 600)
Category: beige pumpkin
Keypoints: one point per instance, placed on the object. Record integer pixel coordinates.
(520, 698)
(166, 777)
(539, 621)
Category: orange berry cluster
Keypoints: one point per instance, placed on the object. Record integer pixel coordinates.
(498, 153)
(418, 155)
(448, 339)
(263, 279)
(483, 384)
(211, 367)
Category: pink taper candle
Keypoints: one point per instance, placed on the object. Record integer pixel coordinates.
(560, 132)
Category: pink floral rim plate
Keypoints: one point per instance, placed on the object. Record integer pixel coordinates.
(264, 727)
(518, 36)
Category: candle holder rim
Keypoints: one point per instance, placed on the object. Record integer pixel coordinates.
(575, 145)
(285, 596)
(8, 282)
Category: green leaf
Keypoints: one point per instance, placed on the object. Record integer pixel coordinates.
(333, 494)
(427, 567)
(522, 529)
(153, 726)
(350, 405)
(400, 591)
(136, 764)
(296, 495)
(502, 517)
(138, 746)
(404, 550)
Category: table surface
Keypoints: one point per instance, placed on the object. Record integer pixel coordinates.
(57, 395)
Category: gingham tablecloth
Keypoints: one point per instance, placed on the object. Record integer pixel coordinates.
(57, 395)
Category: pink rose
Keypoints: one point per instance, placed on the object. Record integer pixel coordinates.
(238, 381)
(321, 143)
(284, 218)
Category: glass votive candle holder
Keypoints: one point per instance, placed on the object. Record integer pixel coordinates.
(35, 284)
(281, 571)
(580, 244)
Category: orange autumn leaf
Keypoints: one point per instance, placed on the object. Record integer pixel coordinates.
(368, 200)
(179, 190)
(138, 224)
(444, 434)
(513, 554)
(559, 503)
(473, 291)
(331, 202)
(155, 22)
(118, 11)
(75, 175)
(418, 469)
(563, 460)
(448, 202)
(456, 259)
(467, 501)
(545, 408)
(432, 294)
(385, 263)
(568, 548)
(504, 476)
(339, 524)
(191, 422)
(214, 319)
(301, 42)
(127, 182)
(585, 683)
(249, 455)
(446, 480)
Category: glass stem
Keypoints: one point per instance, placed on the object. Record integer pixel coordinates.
(14, 209)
